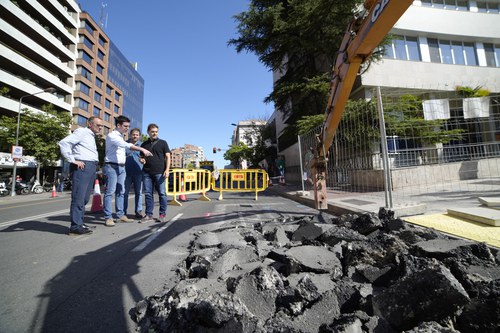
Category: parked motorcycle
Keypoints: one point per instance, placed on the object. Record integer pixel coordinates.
(21, 187)
(47, 186)
(35, 187)
(4, 190)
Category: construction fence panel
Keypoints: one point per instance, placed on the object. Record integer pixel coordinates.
(182, 182)
(436, 142)
(240, 180)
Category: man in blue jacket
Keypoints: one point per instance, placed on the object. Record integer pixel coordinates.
(133, 167)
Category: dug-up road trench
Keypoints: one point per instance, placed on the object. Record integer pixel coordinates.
(353, 273)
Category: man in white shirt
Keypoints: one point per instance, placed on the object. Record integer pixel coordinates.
(114, 170)
(79, 148)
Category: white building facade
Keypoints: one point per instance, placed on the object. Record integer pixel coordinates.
(439, 47)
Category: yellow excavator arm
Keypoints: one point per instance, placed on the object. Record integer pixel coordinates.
(363, 35)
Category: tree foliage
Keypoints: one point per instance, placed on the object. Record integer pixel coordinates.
(253, 147)
(300, 39)
(404, 117)
(39, 132)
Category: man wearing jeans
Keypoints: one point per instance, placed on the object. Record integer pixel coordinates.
(155, 172)
(114, 170)
(79, 148)
(133, 168)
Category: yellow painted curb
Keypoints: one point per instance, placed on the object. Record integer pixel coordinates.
(459, 227)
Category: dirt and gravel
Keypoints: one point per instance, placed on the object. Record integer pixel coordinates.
(353, 273)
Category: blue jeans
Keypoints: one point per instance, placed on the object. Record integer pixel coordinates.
(135, 178)
(82, 186)
(159, 183)
(115, 176)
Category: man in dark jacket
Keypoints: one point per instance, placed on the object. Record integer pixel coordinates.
(155, 171)
(133, 167)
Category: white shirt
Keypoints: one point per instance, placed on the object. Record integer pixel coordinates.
(79, 146)
(116, 147)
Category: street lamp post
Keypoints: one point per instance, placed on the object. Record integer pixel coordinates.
(14, 171)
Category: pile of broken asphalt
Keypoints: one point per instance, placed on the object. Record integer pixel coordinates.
(353, 273)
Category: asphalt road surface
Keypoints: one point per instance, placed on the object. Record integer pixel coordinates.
(52, 282)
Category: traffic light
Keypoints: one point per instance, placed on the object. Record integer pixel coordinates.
(215, 150)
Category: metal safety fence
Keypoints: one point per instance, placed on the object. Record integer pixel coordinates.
(412, 144)
(182, 182)
(240, 180)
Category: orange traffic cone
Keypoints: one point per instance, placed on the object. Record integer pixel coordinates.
(182, 197)
(54, 193)
(96, 198)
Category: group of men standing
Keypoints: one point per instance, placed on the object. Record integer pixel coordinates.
(146, 165)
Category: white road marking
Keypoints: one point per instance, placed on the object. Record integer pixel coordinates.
(155, 234)
(33, 218)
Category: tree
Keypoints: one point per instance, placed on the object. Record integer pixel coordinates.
(39, 133)
(238, 152)
(298, 38)
(404, 117)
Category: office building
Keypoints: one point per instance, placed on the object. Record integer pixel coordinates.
(95, 94)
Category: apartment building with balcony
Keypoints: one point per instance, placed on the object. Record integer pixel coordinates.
(187, 155)
(53, 44)
(38, 48)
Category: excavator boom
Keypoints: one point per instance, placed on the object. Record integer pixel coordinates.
(363, 35)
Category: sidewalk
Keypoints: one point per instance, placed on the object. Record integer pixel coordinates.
(429, 211)
(417, 203)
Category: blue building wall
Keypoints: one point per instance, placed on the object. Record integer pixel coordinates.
(122, 73)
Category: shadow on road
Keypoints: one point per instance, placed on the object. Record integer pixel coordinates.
(37, 226)
(99, 281)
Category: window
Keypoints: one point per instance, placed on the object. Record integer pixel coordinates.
(81, 120)
(83, 88)
(85, 56)
(82, 104)
(100, 55)
(108, 90)
(97, 96)
(492, 54)
(98, 82)
(117, 109)
(107, 116)
(470, 54)
(448, 52)
(88, 27)
(102, 41)
(117, 96)
(403, 48)
(434, 50)
(86, 41)
(107, 103)
(97, 111)
(84, 72)
(99, 68)
(488, 7)
(447, 4)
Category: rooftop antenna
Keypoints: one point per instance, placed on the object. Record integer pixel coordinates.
(103, 21)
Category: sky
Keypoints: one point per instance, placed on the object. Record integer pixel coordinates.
(195, 85)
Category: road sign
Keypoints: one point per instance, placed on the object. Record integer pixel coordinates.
(17, 152)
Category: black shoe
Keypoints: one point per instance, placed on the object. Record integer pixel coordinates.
(85, 226)
(80, 231)
(139, 215)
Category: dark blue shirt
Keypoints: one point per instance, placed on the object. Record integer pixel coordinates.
(132, 163)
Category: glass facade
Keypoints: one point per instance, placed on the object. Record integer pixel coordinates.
(122, 74)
